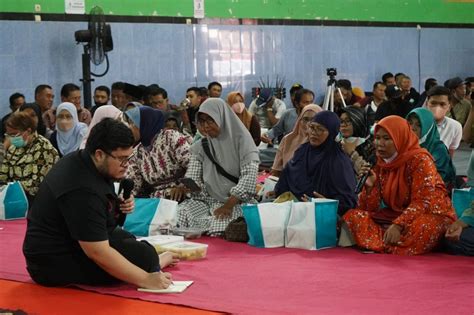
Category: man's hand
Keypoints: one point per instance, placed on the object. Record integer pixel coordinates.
(157, 281)
(127, 206)
(392, 235)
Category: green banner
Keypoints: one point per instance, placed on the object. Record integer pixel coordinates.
(421, 11)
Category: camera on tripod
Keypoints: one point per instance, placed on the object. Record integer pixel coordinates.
(331, 72)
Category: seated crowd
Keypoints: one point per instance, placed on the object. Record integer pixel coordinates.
(397, 143)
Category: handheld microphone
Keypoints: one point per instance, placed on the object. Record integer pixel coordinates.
(360, 184)
(126, 186)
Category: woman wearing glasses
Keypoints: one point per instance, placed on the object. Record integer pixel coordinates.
(319, 167)
(224, 166)
(29, 157)
(294, 139)
(355, 138)
(161, 156)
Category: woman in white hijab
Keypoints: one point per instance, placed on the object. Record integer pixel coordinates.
(69, 131)
(221, 191)
(104, 111)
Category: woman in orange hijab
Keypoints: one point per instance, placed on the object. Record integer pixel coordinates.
(404, 207)
(236, 101)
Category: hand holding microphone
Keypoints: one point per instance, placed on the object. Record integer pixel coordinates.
(127, 203)
(367, 179)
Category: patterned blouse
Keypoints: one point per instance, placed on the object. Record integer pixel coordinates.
(30, 164)
(158, 169)
(427, 195)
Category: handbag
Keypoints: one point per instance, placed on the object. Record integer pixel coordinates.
(236, 231)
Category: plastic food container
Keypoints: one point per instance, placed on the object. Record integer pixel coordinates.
(187, 233)
(186, 250)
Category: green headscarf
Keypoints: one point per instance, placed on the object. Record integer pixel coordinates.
(430, 140)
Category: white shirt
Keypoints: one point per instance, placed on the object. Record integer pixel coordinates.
(450, 132)
(278, 107)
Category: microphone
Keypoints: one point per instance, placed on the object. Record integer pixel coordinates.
(363, 179)
(126, 186)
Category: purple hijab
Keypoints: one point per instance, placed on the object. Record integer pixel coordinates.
(325, 169)
(149, 120)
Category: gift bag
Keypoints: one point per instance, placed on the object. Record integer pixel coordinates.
(312, 225)
(150, 216)
(13, 202)
(266, 223)
(462, 199)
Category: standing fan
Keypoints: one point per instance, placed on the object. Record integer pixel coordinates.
(97, 41)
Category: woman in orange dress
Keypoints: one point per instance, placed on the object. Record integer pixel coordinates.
(404, 207)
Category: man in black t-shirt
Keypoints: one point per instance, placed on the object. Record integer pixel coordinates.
(72, 236)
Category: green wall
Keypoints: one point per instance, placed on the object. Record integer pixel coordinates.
(422, 11)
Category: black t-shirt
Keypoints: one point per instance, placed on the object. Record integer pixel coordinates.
(74, 203)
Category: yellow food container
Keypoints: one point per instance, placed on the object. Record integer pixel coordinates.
(186, 250)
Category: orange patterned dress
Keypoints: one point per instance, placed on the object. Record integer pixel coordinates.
(423, 209)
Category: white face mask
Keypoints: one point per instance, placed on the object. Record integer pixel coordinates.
(238, 108)
(438, 112)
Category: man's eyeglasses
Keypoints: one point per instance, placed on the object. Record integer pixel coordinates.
(123, 160)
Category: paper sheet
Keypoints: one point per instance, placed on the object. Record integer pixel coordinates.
(176, 287)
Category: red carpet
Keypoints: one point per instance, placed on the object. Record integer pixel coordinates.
(237, 278)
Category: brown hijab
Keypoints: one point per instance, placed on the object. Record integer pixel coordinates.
(245, 116)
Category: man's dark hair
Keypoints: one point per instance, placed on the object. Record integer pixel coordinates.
(295, 88)
(399, 74)
(212, 84)
(13, 98)
(439, 90)
(203, 91)
(429, 83)
(195, 89)
(376, 84)
(103, 88)
(68, 88)
(386, 76)
(299, 94)
(40, 88)
(109, 135)
(158, 91)
(118, 86)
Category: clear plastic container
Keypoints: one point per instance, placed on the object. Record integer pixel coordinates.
(186, 250)
(187, 233)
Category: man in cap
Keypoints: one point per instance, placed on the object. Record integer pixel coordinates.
(267, 108)
(460, 107)
(394, 104)
(133, 93)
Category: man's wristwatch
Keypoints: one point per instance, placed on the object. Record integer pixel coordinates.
(270, 109)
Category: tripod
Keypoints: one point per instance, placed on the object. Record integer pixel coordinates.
(328, 103)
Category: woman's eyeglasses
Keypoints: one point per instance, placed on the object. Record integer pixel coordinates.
(202, 121)
(315, 129)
